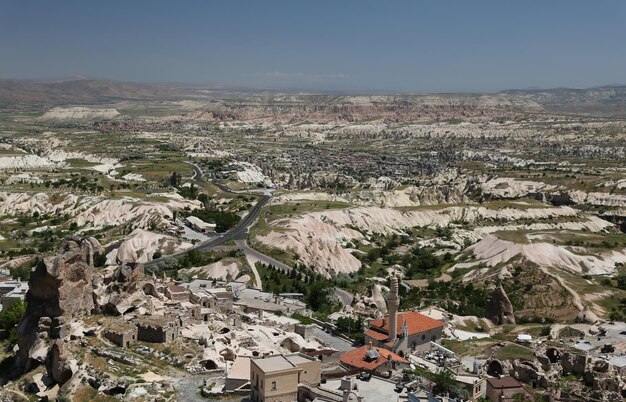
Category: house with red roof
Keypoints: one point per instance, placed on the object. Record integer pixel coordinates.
(404, 332)
(372, 359)
(414, 332)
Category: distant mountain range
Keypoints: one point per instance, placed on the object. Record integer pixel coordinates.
(605, 100)
(42, 95)
(36, 95)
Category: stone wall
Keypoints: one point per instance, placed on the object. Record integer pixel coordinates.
(157, 332)
(123, 338)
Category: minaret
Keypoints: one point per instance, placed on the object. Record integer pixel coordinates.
(393, 301)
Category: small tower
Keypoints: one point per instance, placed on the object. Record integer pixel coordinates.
(393, 302)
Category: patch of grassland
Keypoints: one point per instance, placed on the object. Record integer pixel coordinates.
(467, 348)
(8, 244)
(511, 352)
(79, 163)
(300, 207)
(515, 236)
(522, 203)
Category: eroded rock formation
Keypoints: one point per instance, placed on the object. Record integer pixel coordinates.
(60, 290)
(499, 309)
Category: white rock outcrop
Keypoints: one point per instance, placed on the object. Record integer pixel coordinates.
(78, 113)
(141, 245)
(493, 251)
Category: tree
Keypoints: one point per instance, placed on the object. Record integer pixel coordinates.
(443, 380)
(204, 199)
(99, 260)
(520, 397)
(22, 272)
(316, 295)
(621, 281)
(175, 179)
(10, 317)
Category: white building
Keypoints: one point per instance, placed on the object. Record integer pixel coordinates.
(10, 291)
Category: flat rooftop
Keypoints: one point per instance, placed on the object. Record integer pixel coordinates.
(240, 369)
(373, 390)
(273, 363)
(297, 359)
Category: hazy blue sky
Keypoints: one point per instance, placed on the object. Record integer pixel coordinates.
(362, 45)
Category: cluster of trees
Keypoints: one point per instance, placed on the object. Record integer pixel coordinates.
(444, 382)
(195, 258)
(318, 292)
(352, 328)
(385, 250)
(618, 313)
(22, 272)
(276, 281)
(10, 317)
(456, 298)
(190, 192)
(78, 182)
(223, 220)
(420, 262)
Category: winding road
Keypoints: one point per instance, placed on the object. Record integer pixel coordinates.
(239, 234)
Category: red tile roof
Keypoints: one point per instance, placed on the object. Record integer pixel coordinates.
(379, 336)
(415, 322)
(357, 358)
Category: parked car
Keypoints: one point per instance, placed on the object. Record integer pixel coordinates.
(364, 376)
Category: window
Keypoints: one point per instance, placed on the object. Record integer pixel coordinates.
(423, 336)
(273, 385)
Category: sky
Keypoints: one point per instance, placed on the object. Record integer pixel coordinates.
(397, 46)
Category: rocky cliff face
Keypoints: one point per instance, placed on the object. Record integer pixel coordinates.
(499, 309)
(60, 290)
(63, 289)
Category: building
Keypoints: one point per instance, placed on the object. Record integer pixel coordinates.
(206, 293)
(504, 389)
(157, 329)
(238, 376)
(121, 333)
(176, 292)
(277, 378)
(372, 359)
(11, 291)
(199, 225)
(403, 332)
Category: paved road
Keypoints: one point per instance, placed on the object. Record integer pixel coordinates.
(239, 232)
(197, 172)
(345, 296)
(265, 259)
